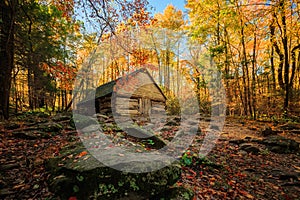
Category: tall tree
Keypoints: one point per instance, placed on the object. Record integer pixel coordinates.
(285, 41)
(44, 35)
(167, 48)
(7, 32)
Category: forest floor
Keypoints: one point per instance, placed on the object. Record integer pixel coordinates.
(232, 171)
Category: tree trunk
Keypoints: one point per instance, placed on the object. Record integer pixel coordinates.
(286, 57)
(6, 53)
(253, 89)
(272, 34)
(245, 73)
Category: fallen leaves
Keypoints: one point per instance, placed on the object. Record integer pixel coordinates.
(23, 175)
(245, 194)
(241, 176)
(83, 153)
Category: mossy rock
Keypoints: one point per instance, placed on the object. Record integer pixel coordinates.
(77, 173)
(62, 117)
(50, 127)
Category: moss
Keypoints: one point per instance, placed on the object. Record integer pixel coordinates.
(85, 177)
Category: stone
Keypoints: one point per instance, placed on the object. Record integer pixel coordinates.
(138, 132)
(61, 117)
(149, 126)
(82, 121)
(250, 148)
(289, 126)
(172, 123)
(279, 144)
(50, 127)
(236, 141)
(267, 131)
(85, 177)
(91, 128)
(25, 135)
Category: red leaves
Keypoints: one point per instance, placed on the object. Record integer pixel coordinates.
(65, 73)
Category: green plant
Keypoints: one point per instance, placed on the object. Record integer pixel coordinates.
(150, 142)
(120, 183)
(80, 178)
(265, 152)
(187, 159)
(75, 188)
(133, 185)
(186, 195)
(190, 158)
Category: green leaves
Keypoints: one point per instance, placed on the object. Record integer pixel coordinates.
(187, 158)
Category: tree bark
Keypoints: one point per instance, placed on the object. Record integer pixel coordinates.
(253, 88)
(6, 53)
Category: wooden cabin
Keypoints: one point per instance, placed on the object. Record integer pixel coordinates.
(135, 95)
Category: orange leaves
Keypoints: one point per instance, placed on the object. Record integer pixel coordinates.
(82, 154)
(246, 194)
(140, 56)
(63, 72)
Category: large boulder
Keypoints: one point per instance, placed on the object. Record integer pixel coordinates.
(78, 174)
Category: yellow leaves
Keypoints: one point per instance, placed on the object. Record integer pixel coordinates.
(171, 18)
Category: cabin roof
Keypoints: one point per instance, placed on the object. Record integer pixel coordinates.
(107, 88)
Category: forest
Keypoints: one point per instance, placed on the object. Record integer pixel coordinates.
(255, 46)
(234, 59)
